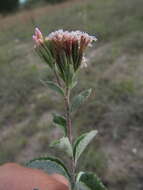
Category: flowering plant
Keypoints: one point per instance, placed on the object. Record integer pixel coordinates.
(63, 52)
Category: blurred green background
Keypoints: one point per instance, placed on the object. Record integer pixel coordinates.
(115, 72)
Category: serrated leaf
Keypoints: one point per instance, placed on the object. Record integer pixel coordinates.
(65, 145)
(82, 142)
(54, 86)
(60, 121)
(50, 165)
(80, 99)
(91, 180)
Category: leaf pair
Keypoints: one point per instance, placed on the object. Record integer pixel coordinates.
(84, 180)
(77, 100)
(79, 146)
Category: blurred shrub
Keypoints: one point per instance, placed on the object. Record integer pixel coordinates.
(33, 3)
(55, 1)
(8, 5)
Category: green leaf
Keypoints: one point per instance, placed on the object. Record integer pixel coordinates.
(54, 86)
(91, 180)
(77, 141)
(82, 142)
(64, 144)
(80, 99)
(81, 186)
(60, 122)
(50, 165)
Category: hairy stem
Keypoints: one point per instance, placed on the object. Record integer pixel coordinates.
(68, 115)
(69, 129)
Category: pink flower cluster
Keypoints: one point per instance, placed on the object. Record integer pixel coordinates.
(64, 45)
(74, 36)
(65, 38)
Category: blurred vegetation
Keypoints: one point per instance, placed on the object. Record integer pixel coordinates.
(115, 72)
(35, 3)
(8, 5)
(55, 1)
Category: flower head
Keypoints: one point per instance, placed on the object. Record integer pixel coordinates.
(66, 39)
(73, 44)
(65, 49)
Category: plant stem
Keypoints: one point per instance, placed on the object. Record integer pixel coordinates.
(68, 115)
(69, 129)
